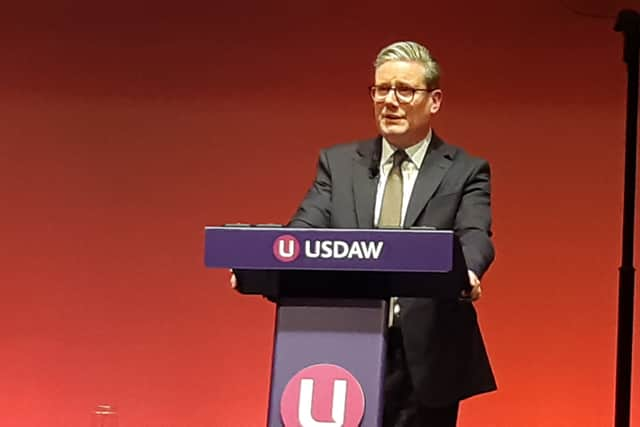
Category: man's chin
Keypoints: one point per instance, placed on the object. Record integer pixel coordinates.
(390, 132)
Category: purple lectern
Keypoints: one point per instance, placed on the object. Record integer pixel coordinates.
(331, 288)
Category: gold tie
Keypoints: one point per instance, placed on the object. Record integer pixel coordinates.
(391, 212)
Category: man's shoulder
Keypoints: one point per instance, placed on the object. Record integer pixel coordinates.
(462, 155)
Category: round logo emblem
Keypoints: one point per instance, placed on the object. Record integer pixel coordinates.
(286, 248)
(323, 393)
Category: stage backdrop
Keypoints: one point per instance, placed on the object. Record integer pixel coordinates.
(127, 126)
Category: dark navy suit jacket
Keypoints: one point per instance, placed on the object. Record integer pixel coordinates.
(444, 348)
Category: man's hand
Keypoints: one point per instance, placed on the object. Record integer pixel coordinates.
(233, 280)
(476, 290)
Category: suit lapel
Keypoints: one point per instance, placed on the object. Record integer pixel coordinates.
(365, 181)
(435, 165)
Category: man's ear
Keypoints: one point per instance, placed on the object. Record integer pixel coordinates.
(436, 101)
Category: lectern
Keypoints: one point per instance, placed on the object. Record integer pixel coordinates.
(331, 288)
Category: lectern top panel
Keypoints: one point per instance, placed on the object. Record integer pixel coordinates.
(278, 248)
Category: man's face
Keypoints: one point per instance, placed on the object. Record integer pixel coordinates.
(404, 124)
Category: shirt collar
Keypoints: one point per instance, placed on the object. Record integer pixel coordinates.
(416, 152)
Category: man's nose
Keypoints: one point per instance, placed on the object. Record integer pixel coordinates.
(391, 97)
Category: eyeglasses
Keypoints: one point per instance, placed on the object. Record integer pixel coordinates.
(403, 94)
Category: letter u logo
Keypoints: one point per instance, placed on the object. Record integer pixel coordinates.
(322, 395)
(338, 405)
(289, 250)
(286, 248)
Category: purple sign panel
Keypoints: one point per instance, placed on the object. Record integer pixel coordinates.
(328, 364)
(328, 249)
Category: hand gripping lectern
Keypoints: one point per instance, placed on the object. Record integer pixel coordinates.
(331, 288)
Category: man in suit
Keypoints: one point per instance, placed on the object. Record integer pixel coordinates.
(408, 176)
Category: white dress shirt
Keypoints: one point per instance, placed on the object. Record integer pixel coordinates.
(410, 170)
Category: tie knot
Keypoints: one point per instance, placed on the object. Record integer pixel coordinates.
(399, 156)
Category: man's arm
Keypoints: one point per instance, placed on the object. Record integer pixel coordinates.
(473, 225)
(315, 210)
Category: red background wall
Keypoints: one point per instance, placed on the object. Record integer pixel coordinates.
(127, 127)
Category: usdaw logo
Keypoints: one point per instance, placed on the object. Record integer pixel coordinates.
(322, 396)
(286, 248)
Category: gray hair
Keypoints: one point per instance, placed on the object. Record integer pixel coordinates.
(415, 52)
